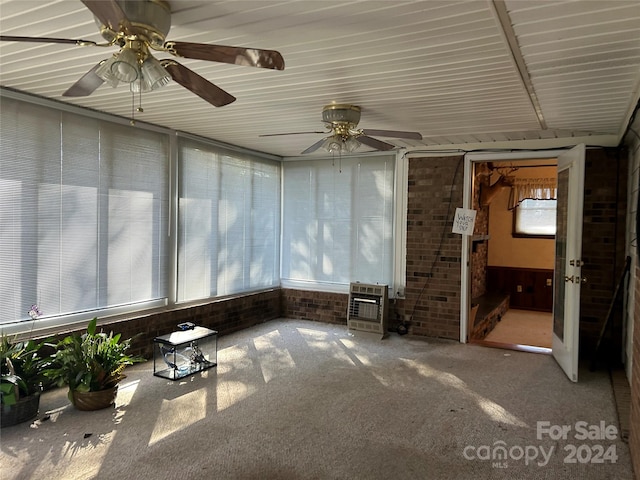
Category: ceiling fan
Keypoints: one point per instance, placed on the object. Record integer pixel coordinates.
(137, 27)
(341, 122)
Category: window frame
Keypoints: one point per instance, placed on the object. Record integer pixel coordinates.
(109, 183)
(392, 277)
(49, 322)
(239, 167)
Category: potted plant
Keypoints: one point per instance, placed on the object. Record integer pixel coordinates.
(91, 365)
(22, 366)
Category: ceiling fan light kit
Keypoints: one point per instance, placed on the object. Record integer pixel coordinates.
(152, 76)
(149, 23)
(137, 26)
(104, 73)
(338, 144)
(124, 66)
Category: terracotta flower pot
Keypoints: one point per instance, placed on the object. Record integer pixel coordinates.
(94, 400)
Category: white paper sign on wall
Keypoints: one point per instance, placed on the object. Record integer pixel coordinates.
(464, 221)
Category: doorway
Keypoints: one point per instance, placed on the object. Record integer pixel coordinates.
(568, 263)
(522, 330)
(513, 254)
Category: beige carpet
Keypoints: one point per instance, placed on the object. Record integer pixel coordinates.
(523, 327)
(303, 400)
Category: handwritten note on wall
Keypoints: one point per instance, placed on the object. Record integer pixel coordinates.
(464, 221)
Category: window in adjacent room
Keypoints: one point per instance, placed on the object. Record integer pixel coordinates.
(535, 218)
(533, 203)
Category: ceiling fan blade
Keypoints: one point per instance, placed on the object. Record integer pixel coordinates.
(109, 13)
(197, 84)
(314, 147)
(251, 57)
(70, 41)
(87, 84)
(393, 133)
(290, 133)
(374, 143)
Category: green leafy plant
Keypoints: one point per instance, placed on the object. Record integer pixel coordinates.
(22, 366)
(92, 361)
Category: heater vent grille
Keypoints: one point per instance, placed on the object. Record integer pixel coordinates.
(368, 308)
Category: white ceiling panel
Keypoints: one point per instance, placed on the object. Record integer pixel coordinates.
(465, 74)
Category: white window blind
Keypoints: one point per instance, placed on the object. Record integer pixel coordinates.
(535, 217)
(338, 222)
(83, 213)
(229, 221)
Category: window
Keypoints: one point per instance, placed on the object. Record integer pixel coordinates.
(535, 218)
(228, 222)
(337, 222)
(83, 214)
(85, 211)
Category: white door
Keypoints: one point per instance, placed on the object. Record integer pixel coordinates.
(568, 278)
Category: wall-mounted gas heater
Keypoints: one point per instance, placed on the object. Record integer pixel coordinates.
(368, 308)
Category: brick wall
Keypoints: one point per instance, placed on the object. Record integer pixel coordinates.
(225, 316)
(633, 313)
(480, 250)
(432, 302)
(603, 245)
(634, 433)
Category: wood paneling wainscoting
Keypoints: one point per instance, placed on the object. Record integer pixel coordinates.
(528, 288)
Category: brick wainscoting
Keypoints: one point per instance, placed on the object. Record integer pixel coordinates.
(317, 306)
(225, 316)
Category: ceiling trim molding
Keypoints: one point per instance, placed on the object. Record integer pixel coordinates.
(538, 144)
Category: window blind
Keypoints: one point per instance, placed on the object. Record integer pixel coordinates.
(228, 222)
(83, 213)
(338, 222)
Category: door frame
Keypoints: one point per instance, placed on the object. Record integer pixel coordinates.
(468, 184)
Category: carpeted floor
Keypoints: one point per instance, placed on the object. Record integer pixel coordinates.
(302, 400)
(523, 327)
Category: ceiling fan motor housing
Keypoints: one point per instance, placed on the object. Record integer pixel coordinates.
(346, 116)
(149, 19)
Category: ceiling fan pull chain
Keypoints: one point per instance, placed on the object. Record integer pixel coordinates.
(140, 109)
(133, 104)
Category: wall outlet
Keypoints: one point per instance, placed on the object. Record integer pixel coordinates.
(549, 282)
(519, 289)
